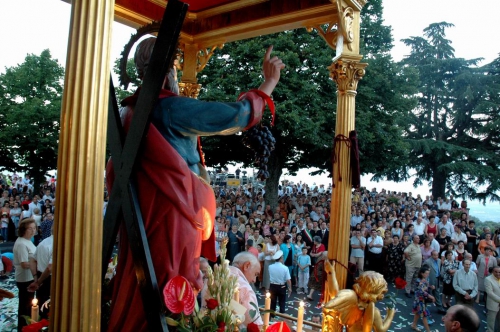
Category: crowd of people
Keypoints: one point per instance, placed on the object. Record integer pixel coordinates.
(27, 220)
(431, 244)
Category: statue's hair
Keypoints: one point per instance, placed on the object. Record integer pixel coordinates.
(370, 286)
(142, 54)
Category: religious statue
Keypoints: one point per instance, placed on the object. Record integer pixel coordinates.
(176, 200)
(355, 309)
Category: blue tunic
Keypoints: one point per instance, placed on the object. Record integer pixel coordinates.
(181, 120)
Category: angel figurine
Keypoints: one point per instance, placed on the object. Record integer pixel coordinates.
(355, 308)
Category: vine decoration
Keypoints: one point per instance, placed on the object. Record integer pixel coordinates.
(147, 29)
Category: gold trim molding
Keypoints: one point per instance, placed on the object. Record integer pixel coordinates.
(329, 34)
(191, 90)
(347, 73)
(204, 55)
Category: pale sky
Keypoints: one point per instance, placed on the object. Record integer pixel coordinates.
(30, 26)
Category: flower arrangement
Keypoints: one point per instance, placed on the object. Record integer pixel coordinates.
(217, 313)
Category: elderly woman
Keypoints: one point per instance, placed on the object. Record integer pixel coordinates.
(450, 266)
(484, 263)
(395, 259)
(24, 251)
(318, 277)
(317, 249)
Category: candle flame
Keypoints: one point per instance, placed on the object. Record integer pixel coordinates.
(181, 294)
(268, 295)
(34, 302)
(301, 303)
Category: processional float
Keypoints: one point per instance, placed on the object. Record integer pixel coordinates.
(82, 245)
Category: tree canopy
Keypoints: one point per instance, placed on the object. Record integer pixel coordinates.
(30, 106)
(453, 132)
(306, 101)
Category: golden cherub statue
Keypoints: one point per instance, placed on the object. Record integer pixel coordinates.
(355, 309)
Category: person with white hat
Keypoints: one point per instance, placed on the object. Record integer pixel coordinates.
(279, 276)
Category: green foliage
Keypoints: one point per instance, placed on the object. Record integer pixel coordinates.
(132, 73)
(30, 104)
(480, 225)
(453, 133)
(306, 101)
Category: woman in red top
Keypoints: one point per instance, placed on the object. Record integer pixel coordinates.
(431, 227)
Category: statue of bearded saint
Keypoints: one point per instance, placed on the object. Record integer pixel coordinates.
(355, 309)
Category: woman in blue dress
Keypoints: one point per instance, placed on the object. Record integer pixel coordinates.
(421, 295)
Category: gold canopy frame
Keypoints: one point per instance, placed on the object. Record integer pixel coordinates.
(76, 277)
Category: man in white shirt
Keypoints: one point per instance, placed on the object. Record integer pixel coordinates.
(375, 244)
(43, 261)
(473, 266)
(279, 277)
(458, 236)
(465, 285)
(434, 244)
(446, 225)
(419, 227)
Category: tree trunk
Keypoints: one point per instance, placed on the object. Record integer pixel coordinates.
(275, 168)
(438, 183)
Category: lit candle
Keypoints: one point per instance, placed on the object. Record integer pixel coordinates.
(300, 317)
(267, 306)
(237, 295)
(34, 310)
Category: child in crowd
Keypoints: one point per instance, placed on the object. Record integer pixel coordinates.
(303, 261)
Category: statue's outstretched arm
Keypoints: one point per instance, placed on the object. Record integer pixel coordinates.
(380, 325)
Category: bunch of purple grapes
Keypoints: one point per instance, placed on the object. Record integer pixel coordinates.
(260, 139)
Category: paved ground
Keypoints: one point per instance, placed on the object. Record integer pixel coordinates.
(401, 322)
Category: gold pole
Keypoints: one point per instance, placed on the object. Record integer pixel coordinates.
(76, 284)
(346, 71)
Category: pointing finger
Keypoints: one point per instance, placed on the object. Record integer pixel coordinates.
(267, 56)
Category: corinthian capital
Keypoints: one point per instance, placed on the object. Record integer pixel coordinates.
(347, 73)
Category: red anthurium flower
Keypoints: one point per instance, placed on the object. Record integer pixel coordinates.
(400, 283)
(212, 304)
(278, 327)
(179, 296)
(252, 327)
(35, 327)
(222, 327)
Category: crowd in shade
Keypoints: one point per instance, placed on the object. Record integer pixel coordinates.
(428, 246)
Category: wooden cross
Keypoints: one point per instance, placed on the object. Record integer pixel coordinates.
(124, 202)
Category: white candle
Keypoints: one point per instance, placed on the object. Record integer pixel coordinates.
(34, 310)
(267, 306)
(237, 295)
(300, 317)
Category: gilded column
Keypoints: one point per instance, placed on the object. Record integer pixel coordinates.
(346, 72)
(76, 284)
